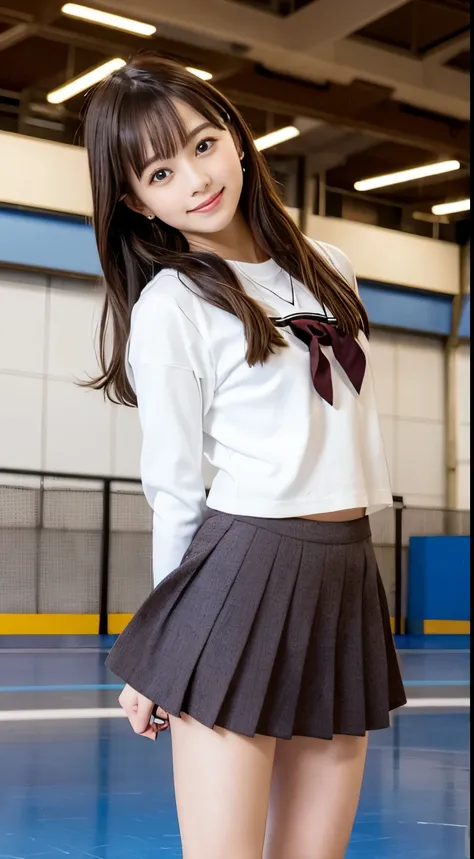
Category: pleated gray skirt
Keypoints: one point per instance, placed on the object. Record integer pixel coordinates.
(268, 626)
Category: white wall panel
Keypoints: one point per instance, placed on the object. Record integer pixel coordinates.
(21, 421)
(419, 454)
(74, 318)
(463, 422)
(464, 443)
(127, 442)
(389, 429)
(390, 256)
(420, 379)
(431, 502)
(78, 430)
(466, 267)
(60, 178)
(22, 322)
(293, 213)
(464, 486)
(409, 382)
(383, 351)
(463, 391)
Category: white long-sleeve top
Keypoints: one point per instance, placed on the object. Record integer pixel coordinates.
(278, 448)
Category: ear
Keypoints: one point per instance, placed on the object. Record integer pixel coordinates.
(136, 205)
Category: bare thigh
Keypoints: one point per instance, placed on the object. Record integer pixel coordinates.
(222, 785)
(314, 796)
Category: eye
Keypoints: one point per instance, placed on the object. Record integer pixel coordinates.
(205, 145)
(160, 175)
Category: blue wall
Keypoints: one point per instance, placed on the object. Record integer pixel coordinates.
(465, 321)
(65, 244)
(48, 242)
(408, 308)
(438, 581)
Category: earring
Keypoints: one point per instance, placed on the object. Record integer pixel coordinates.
(150, 217)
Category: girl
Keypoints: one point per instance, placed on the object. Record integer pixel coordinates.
(266, 644)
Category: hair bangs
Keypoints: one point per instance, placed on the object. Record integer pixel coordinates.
(151, 126)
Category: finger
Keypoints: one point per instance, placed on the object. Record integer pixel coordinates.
(140, 719)
(128, 703)
(149, 734)
(149, 731)
(139, 725)
(124, 701)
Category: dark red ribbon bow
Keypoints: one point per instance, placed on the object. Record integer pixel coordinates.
(346, 349)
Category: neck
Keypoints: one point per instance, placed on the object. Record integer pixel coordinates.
(234, 243)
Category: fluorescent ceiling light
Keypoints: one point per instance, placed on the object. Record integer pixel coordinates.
(407, 175)
(79, 84)
(117, 22)
(281, 135)
(205, 76)
(428, 218)
(450, 208)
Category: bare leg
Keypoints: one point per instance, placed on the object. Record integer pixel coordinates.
(314, 796)
(222, 785)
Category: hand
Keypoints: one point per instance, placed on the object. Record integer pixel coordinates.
(138, 710)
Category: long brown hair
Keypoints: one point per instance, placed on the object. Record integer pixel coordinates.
(132, 249)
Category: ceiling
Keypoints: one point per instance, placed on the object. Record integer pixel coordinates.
(382, 85)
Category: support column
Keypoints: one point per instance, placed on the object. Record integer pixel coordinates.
(451, 404)
(322, 194)
(310, 183)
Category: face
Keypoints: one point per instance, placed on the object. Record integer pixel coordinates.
(198, 191)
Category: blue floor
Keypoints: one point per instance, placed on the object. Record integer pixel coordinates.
(433, 642)
(91, 788)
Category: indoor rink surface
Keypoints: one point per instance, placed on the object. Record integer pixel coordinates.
(75, 781)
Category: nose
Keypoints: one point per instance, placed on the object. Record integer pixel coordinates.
(199, 179)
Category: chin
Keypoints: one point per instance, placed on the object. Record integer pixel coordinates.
(213, 224)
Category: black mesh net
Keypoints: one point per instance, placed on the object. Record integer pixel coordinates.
(51, 547)
(51, 533)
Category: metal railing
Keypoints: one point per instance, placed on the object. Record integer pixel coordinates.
(81, 544)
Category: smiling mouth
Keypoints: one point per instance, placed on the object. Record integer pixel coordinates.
(209, 203)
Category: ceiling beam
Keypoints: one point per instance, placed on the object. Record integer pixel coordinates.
(219, 64)
(30, 11)
(319, 23)
(264, 38)
(17, 34)
(18, 10)
(86, 42)
(228, 21)
(325, 146)
(49, 10)
(10, 16)
(438, 89)
(349, 106)
(448, 49)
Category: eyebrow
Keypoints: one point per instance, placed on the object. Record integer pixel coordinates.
(189, 137)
